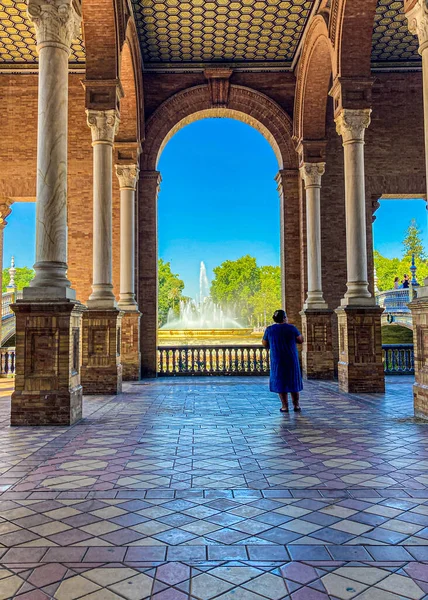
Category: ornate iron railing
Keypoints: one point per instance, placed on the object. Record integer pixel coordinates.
(398, 359)
(7, 361)
(213, 360)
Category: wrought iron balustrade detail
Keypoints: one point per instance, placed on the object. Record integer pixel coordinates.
(213, 360)
(398, 359)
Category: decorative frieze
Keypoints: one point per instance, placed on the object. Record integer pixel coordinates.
(417, 19)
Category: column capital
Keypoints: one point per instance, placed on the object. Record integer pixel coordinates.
(104, 125)
(57, 22)
(311, 174)
(417, 18)
(352, 123)
(128, 176)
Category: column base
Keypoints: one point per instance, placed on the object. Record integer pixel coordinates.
(317, 352)
(360, 367)
(130, 355)
(101, 368)
(48, 358)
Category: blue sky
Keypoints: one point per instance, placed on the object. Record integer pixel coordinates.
(218, 201)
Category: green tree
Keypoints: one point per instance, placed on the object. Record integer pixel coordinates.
(235, 283)
(389, 268)
(170, 291)
(412, 243)
(23, 277)
(268, 298)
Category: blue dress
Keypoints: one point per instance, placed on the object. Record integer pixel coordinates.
(285, 373)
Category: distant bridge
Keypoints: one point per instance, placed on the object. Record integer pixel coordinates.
(8, 318)
(395, 303)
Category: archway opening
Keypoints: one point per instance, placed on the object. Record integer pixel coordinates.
(400, 261)
(219, 234)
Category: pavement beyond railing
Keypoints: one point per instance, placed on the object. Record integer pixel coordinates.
(232, 360)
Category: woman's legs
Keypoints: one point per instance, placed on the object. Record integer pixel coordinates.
(284, 401)
(295, 399)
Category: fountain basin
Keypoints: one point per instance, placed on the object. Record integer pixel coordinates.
(208, 337)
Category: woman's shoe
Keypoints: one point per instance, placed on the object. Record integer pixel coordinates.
(284, 410)
(297, 408)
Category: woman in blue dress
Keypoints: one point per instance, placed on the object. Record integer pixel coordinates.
(285, 375)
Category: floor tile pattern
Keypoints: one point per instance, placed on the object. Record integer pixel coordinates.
(200, 488)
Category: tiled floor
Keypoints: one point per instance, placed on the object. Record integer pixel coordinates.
(192, 489)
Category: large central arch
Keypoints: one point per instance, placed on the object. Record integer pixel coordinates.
(185, 107)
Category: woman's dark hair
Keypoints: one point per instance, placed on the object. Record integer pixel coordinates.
(279, 316)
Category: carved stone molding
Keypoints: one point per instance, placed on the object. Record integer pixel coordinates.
(311, 174)
(127, 175)
(57, 22)
(352, 123)
(219, 85)
(417, 18)
(375, 206)
(104, 125)
(5, 210)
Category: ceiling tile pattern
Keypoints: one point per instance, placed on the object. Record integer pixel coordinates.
(220, 30)
(392, 41)
(18, 40)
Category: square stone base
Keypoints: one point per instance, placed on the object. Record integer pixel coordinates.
(317, 351)
(130, 355)
(360, 368)
(101, 368)
(48, 358)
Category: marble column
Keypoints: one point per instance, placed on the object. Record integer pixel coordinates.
(360, 367)
(317, 351)
(101, 366)
(417, 19)
(130, 354)
(57, 23)
(104, 125)
(127, 176)
(311, 174)
(48, 390)
(351, 125)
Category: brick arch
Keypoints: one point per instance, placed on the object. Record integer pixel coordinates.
(132, 83)
(101, 26)
(245, 104)
(313, 83)
(351, 31)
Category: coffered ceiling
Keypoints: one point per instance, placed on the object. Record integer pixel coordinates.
(191, 34)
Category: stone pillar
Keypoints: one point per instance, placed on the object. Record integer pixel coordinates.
(419, 308)
(417, 18)
(360, 367)
(148, 190)
(130, 354)
(288, 181)
(48, 319)
(317, 352)
(101, 368)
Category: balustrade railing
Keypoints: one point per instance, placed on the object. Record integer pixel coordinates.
(254, 360)
(213, 360)
(7, 361)
(398, 359)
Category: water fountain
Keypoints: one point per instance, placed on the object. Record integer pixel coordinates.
(202, 321)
